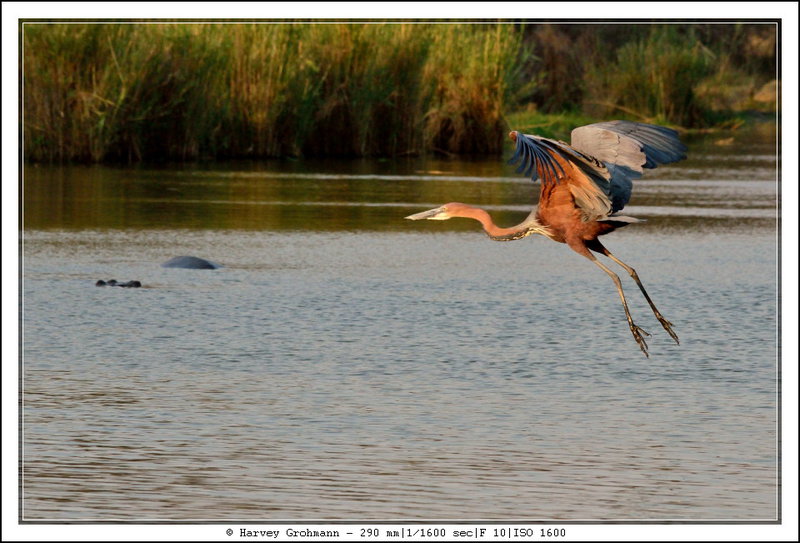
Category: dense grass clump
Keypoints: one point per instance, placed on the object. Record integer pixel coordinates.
(691, 75)
(654, 77)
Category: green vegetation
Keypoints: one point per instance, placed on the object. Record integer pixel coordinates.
(149, 92)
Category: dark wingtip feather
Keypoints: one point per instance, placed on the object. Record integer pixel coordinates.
(517, 152)
(535, 160)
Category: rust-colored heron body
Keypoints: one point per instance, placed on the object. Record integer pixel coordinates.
(584, 186)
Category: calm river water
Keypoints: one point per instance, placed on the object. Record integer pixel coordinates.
(348, 364)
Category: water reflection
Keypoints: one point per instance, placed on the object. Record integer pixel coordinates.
(373, 194)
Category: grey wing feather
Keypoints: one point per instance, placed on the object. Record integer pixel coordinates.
(630, 144)
(626, 147)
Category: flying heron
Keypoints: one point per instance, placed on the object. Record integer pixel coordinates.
(584, 186)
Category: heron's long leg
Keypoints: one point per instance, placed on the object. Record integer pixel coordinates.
(597, 246)
(635, 330)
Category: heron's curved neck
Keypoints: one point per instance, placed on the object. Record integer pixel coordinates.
(524, 229)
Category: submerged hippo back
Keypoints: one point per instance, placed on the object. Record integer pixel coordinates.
(190, 262)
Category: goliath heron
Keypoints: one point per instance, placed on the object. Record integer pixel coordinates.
(584, 185)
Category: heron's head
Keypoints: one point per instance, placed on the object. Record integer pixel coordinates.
(441, 213)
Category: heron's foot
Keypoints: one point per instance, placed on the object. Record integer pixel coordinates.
(668, 327)
(638, 334)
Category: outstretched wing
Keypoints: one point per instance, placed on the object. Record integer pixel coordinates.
(601, 163)
(626, 148)
(554, 161)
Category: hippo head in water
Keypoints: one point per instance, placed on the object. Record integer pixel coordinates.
(115, 283)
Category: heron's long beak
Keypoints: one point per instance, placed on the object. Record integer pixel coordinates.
(432, 214)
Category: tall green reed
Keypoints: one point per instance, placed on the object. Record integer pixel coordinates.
(125, 92)
(132, 92)
(468, 74)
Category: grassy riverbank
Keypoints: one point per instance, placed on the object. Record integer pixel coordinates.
(149, 92)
